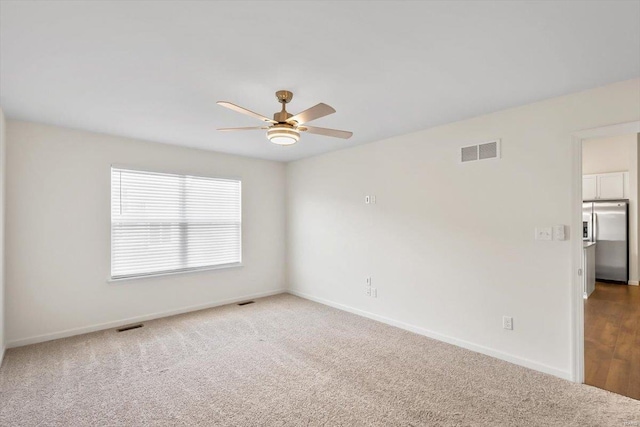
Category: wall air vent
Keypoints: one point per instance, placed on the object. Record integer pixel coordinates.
(469, 154)
(486, 150)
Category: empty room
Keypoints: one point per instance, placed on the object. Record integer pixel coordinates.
(319, 213)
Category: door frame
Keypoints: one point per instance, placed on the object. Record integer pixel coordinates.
(577, 306)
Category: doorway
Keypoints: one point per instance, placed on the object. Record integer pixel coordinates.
(612, 351)
(606, 295)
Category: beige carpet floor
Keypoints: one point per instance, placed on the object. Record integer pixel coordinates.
(284, 361)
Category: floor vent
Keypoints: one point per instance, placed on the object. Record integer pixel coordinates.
(130, 327)
(486, 150)
(246, 302)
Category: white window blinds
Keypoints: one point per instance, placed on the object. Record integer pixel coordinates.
(163, 223)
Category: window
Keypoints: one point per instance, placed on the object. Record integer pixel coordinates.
(162, 223)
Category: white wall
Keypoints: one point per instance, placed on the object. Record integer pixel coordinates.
(58, 232)
(2, 208)
(449, 246)
(602, 155)
(617, 154)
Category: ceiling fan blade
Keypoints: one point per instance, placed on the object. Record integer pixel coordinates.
(248, 128)
(327, 132)
(312, 113)
(239, 109)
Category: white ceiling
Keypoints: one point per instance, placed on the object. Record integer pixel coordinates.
(154, 70)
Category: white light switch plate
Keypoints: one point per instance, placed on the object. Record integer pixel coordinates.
(544, 233)
(558, 232)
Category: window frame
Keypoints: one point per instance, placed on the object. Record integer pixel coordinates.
(180, 271)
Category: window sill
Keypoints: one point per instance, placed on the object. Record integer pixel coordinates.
(174, 273)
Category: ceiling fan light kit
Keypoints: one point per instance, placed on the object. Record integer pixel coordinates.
(283, 135)
(285, 128)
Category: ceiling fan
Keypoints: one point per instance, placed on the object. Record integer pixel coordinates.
(285, 128)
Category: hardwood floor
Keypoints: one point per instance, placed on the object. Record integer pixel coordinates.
(612, 339)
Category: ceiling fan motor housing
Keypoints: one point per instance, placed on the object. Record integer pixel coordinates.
(282, 116)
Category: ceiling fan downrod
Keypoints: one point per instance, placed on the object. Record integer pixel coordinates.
(284, 97)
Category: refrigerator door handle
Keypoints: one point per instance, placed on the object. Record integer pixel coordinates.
(595, 227)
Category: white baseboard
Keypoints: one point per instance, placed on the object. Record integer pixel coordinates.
(108, 325)
(634, 282)
(1, 355)
(450, 340)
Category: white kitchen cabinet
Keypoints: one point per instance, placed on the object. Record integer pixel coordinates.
(611, 186)
(605, 186)
(589, 187)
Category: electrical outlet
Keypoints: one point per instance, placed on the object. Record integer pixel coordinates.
(368, 291)
(368, 281)
(374, 292)
(507, 322)
(367, 199)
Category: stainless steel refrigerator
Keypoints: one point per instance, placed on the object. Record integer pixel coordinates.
(607, 224)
